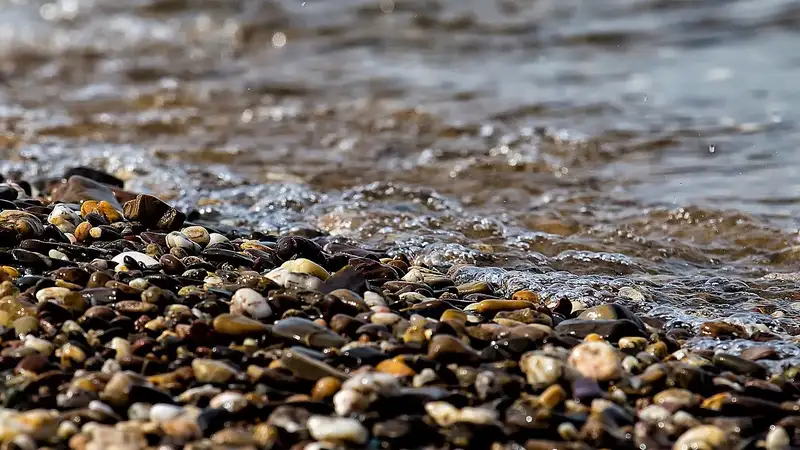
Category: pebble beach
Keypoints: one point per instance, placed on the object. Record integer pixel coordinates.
(124, 325)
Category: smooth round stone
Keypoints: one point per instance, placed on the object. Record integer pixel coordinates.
(285, 278)
(396, 368)
(212, 371)
(612, 330)
(325, 388)
(597, 360)
(373, 299)
(306, 266)
(238, 325)
(231, 401)
(631, 293)
(759, 352)
(139, 411)
(348, 401)
(162, 412)
(703, 437)
(445, 414)
(541, 370)
(233, 438)
(52, 293)
(197, 234)
(474, 287)
(677, 397)
(176, 239)
(526, 316)
(739, 365)
(447, 348)
(778, 439)
(307, 332)
(216, 238)
(141, 258)
(26, 325)
(55, 254)
(493, 306)
(308, 368)
(24, 223)
(42, 346)
(372, 382)
(337, 429)
(248, 302)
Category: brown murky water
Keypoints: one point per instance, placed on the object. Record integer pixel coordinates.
(568, 146)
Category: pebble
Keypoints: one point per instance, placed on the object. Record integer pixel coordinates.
(238, 325)
(211, 371)
(249, 302)
(541, 370)
(597, 360)
(163, 412)
(141, 258)
(703, 437)
(337, 429)
(778, 439)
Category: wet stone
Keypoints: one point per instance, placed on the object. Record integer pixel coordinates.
(611, 330)
(307, 332)
(739, 365)
(759, 353)
(238, 325)
(446, 348)
(308, 368)
(597, 360)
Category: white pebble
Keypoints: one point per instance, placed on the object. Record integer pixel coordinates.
(97, 405)
(371, 382)
(654, 414)
(141, 258)
(228, 400)
(194, 394)
(248, 302)
(596, 360)
(348, 401)
(387, 319)
(414, 276)
(337, 429)
(778, 439)
(63, 212)
(215, 238)
(445, 414)
(541, 370)
(162, 412)
(373, 299)
(55, 254)
(51, 293)
(139, 411)
(178, 239)
(631, 293)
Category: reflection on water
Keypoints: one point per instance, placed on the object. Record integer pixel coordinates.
(577, 147)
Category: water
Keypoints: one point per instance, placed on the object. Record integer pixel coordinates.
(572, 147)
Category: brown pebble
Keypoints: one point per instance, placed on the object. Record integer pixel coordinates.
(82, 231)
(448, 348)
(526, 296)
(396, 368)
(758, 353)
(325, 388)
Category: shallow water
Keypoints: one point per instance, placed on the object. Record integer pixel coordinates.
(574, 147)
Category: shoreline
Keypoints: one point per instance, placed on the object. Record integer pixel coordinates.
(123, 325)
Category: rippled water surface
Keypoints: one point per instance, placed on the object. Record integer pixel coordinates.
(569, 146)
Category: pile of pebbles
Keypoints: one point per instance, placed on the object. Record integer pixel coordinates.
(125, 326)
